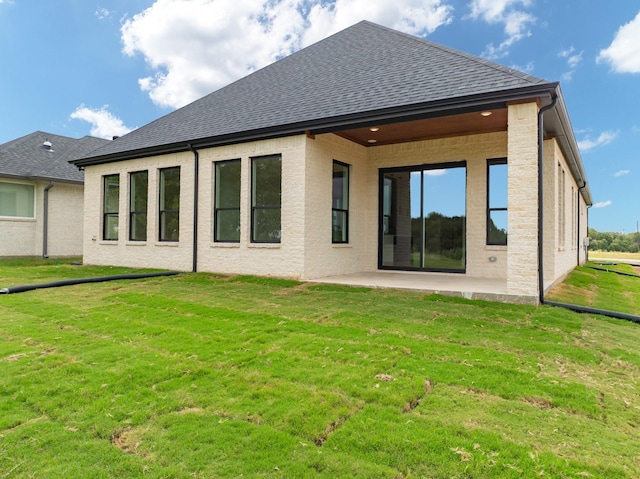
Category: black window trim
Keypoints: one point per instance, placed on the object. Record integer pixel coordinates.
(265, 207)
(342, 210)
(161, 212)
(216, 209)
(133, 213)
(106, 214)
(491, 162)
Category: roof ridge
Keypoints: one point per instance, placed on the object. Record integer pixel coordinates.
(454, 51)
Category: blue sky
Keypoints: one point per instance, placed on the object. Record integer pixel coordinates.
(79, 67)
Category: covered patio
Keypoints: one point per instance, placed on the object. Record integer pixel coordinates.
(449, 284)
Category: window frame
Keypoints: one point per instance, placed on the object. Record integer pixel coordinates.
(340, 211)
(133, 207)
(161, 203)
(216, 200)
(32, 206)
(255, 208)
(107, 214)
(490, 209)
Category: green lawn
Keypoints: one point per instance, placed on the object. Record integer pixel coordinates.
(200, 376)
(591, 286)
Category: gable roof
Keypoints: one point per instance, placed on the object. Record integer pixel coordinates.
(364, 72)
(28, 158)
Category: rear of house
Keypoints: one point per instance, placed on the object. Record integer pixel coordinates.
(413, 158)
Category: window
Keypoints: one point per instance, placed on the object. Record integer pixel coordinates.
(170, 204)
(266, 181)
(561, 206)
(17, 199)
(497, 184)
(340, 203)
(138, 195)
(226, 215)
(111, 205)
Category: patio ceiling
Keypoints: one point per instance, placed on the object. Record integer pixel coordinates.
(429, 128)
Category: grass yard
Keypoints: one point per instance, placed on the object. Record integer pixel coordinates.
(591, 286)
(200, 376)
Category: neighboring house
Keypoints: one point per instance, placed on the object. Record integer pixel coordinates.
(371, 150)
(41, 195)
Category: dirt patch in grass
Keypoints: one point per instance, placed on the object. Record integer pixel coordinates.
(540, 403)
(15, 357)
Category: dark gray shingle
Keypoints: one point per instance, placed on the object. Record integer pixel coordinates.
(363, 69)
(27, 157)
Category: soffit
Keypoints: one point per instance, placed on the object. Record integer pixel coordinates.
(428, 129)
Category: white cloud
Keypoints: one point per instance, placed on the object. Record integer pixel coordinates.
(198, 46)
(602, 204)
(573, 60)
(101, 13)
(621, 173)
(105, 124)
(528, 68)
(439, 172)
(624, 52)
(605, 138)
(516, 22)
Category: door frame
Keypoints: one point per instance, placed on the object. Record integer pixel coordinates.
(417, 168)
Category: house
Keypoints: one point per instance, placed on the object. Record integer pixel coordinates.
(369, 151)
(41, 195)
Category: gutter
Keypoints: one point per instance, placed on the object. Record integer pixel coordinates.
(579, 245)
(196, 168)
(45, 220)
(554, 100)
(432, 109)
(572, 307)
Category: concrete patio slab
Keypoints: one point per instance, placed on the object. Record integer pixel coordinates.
(449, 284)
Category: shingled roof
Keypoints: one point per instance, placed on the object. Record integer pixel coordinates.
(366, 71)
(27, 157)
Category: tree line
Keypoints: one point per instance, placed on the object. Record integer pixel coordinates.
(607, 241)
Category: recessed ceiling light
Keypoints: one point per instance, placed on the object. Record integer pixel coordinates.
(372, 141)
(374, 128)
(486, 113)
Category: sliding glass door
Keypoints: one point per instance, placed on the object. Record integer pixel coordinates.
(423, 218)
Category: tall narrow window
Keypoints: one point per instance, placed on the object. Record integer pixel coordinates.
(17, 200)
(170, 204)
(110, 209)
(340, 203)
(266, 197)
(497, 183)
(561, 206)
(227, 201)
(138, 195)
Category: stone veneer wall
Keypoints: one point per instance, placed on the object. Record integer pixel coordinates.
(522, 256)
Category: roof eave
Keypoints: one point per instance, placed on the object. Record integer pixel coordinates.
(41, 178)
(448, 106)
(569, 147)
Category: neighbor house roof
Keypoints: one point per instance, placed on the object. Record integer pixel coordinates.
(364, 74)
(28, 157)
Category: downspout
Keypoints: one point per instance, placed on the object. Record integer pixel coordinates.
(579, 245)
(572, 307)
(196, 168)
(45, 220)
(554, 100)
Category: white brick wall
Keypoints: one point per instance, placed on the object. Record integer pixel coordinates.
(306, 250)
(24, 237)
